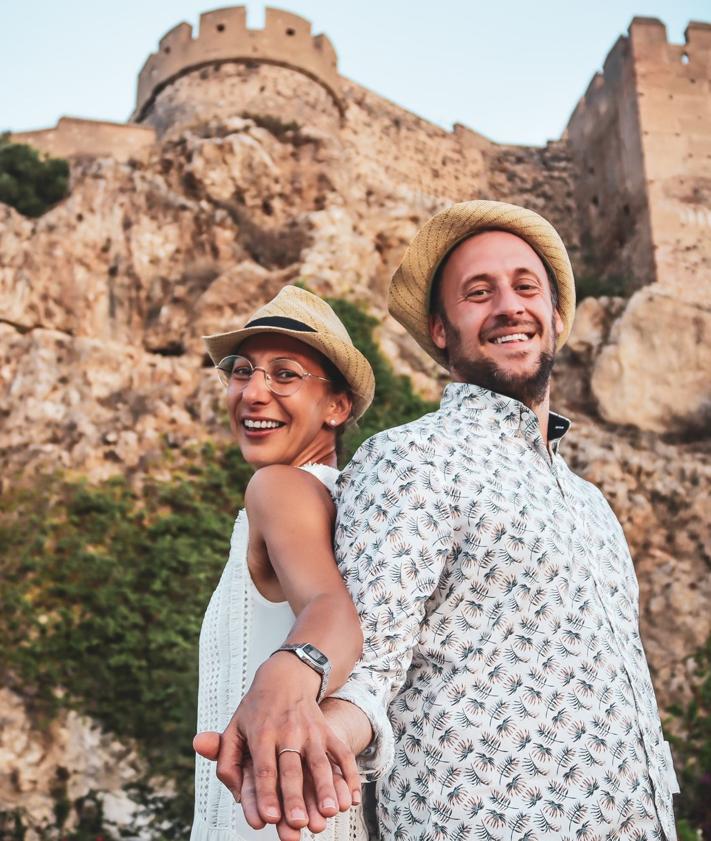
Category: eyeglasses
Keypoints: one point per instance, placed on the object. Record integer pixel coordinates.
(283, 377)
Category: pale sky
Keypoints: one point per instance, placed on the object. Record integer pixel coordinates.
(512, 71)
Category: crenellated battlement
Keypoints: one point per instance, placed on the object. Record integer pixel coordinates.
(223, 36)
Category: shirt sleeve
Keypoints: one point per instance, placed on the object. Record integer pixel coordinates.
(392, 538)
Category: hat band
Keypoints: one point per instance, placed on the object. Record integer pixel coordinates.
(281, 321)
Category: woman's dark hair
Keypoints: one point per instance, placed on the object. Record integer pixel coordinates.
(339, 385)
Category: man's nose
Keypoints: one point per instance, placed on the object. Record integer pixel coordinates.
(507, 302)
(256, 390)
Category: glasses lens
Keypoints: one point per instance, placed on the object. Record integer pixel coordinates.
(284, 376)
(234, 369)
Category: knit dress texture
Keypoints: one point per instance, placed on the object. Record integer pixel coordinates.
(241, 628)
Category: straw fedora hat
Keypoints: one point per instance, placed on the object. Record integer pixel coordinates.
(409, 297)
(303, 315)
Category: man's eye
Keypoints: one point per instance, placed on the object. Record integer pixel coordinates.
(477, 293)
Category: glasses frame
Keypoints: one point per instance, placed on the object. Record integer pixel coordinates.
(227, 381)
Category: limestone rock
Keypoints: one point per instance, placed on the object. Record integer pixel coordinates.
(655, 373)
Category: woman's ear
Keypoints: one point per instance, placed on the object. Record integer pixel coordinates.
(339, 409)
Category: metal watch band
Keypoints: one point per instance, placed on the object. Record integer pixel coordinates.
(315, 659)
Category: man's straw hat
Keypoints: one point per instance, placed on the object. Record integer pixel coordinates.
(303, 315)
(409, 297)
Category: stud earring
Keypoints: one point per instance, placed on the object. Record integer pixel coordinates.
(332, 422)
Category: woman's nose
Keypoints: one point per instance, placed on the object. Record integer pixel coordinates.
(256, 389)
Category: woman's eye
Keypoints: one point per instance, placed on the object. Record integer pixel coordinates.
(242, 372)
(285, 375)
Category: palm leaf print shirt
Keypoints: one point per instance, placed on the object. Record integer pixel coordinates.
(499, 606)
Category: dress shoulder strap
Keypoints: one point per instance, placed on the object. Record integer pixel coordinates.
(324, 473)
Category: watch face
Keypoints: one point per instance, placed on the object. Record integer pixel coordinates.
(315, 654)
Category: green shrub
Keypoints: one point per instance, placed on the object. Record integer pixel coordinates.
(102, 599)
(595, 287)
(692, 752)
(29, 182)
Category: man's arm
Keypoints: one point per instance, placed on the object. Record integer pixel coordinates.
(393, 537)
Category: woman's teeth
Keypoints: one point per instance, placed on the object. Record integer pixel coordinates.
(261, 424)
(514, 337)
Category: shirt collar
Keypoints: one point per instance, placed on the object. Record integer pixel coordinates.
(466, 397)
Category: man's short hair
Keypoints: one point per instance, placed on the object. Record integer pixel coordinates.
(436, 306)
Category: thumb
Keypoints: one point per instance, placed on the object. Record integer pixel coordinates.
(207, 744)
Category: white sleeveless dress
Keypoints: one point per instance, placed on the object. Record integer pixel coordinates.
(240, 630)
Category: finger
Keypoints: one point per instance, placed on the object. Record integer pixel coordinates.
(317, 822)
(249, 798)
(207, 744)
(291, 783)
(230, 759)
(343, 793)
(342, 755)
(265, 776)
(286, 832)
(321, 771)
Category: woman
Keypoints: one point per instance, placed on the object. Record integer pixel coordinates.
(293, 379)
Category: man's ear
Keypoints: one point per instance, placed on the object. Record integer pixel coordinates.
(437, 331)
(558, 323)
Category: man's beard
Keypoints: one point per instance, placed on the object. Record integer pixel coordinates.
(529, 389)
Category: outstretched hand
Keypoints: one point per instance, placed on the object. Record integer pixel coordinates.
(315, 779)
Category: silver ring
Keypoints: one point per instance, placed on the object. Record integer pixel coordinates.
(289, 750)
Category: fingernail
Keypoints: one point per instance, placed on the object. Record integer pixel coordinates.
(297, 814)
(272, 812)
(356, 797)
(329, 803)
(238, 798)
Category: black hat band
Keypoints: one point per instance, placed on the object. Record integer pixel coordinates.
(281, 321)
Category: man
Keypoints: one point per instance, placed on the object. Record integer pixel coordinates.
(503, 684)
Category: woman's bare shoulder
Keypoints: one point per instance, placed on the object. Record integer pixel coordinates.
(283, 484)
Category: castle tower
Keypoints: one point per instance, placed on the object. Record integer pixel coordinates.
(641, 139)
(281, 72)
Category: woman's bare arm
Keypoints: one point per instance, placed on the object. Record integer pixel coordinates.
(292, 513)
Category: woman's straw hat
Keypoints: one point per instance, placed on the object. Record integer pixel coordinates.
(303, 315)
(409, 298)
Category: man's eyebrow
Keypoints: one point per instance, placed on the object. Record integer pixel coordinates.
(481, 276)
(526, 270)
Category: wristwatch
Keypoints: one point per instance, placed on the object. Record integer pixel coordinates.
(313, 658)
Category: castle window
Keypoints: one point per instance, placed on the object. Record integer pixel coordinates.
(220, 27)
(685, 58)
(290, 31)
(166, 50)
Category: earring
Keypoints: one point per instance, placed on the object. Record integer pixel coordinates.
(332, 422)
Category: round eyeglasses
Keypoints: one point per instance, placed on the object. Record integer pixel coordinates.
(283, 377)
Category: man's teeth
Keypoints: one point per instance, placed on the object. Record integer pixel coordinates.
(514, 337)
(261, 424)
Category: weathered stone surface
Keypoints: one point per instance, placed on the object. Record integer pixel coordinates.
(73, 756)
(655, 372)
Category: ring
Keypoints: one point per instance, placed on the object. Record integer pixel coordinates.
(289, 750)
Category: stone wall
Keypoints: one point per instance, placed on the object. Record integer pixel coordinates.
(674, 102)
(610, 184)
(72, 137)
(286, 40)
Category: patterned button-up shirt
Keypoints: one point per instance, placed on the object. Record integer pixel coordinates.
(500, 611)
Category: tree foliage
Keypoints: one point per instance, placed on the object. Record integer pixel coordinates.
(30, 182)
